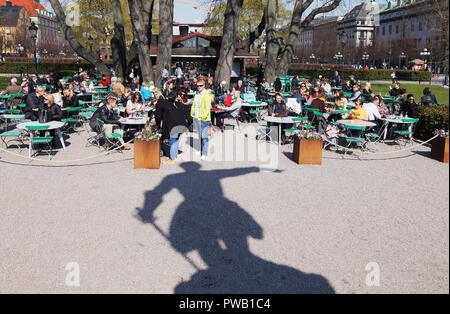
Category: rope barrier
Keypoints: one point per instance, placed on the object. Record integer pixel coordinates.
(65, 161)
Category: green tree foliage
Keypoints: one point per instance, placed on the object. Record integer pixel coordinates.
(251, 14)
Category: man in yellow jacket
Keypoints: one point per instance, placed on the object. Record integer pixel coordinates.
(201, 114)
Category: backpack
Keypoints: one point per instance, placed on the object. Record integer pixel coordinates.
(228, 101)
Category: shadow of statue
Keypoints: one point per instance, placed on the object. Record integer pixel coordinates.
(218, 229)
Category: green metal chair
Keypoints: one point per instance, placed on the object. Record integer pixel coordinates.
(42, 141)
(112, 140)
(356, 140)
(8, 137)
(407, 134)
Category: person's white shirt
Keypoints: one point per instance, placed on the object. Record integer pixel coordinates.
(179, 73)
(372, 111)
(165, 74)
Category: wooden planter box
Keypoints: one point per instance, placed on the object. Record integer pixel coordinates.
(147, 154)
(439, 149)
(308, 152)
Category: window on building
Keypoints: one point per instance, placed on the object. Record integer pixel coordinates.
(390, 29)
(203, 43)
(397, 29)
(420, 27)
(412, 27)
(384, 30)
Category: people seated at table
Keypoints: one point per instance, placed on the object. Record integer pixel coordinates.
(358, 113)
(70, 100)
(230, 112)
(118, 87)
(35, 101)
(33, 83)
(277, 86)
(428, 99)
(319, 103)
(54, 112)
(13, 89)
(326, 87)
(108, 116)
(76, 87)
(135, 86)
(356, 94)
(335, 80)
(25, 86)
(240, 86)
(409, 107)
(278, 106)
(382, 109)
(126, 96)
(367, 92)
(220, 91)
(87, 85)
(341, 103)
(347, 88)
(135, 105)
(296, 94)
(295, 83)
(146, 93)
(396, 91)
(372, 110)
(105, 81)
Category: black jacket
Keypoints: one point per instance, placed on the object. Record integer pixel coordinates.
(70, 102)
(395, 92)
(428, 100)
(54, 113)
(335, 81)
(169, 115)
(33, 102)
(410, 109)
(106, 115)
(278, 86)
(278, 108)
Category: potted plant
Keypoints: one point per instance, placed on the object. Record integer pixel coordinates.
(439, 146)
(147, 148)
(308, 147)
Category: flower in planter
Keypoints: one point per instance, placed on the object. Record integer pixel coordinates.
(149, 133)
(308, 135)
(441, 133)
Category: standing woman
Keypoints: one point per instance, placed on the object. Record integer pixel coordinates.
(201, 114)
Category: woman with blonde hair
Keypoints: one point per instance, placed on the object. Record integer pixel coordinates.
(87, 85)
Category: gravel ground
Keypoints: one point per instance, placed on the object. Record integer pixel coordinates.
(224, 226)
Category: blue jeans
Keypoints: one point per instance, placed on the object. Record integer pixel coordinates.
(174, 144)
(202, 129)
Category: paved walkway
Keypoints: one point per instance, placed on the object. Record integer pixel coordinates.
(218, 227)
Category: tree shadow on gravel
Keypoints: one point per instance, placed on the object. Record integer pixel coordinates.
(218, 229)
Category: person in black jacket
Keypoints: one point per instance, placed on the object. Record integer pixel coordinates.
(174, 124)
(54, 113)
(35, 101)
(107, 115)
(278, 86)
(70, 100)
(428, 99)
(409, 107)
(396, 91)
(335, 80)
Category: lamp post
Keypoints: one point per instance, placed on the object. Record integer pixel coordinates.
(312, 57)
(20, 49)
(426, 54)
(343, 39)
(365, 57)
(33, 29)
(390, 55)
(402, 57)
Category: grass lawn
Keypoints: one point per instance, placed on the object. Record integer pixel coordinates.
(4, 82)
(441, 93)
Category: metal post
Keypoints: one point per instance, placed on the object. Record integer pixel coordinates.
(35, 58)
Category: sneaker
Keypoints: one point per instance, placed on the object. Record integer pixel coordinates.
(169, 162)
(125, 147)
(203, 158)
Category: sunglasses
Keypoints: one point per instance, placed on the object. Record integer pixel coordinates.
(200, 85)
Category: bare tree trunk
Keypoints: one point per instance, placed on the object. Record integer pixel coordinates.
(73, 42)
(272, 42)
(257, 32)
(140, 23)
(118, 46)
(228, 46)
(165, 38)
(296, 28)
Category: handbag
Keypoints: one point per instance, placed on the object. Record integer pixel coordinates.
(43, 116)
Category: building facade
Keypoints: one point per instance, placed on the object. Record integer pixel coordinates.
(14, 23)
(49, 38)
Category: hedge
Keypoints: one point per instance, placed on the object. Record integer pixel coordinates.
(373, 75)
(43, 68)
(430, 119)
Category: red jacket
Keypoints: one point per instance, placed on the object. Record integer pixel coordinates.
(105, 82)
